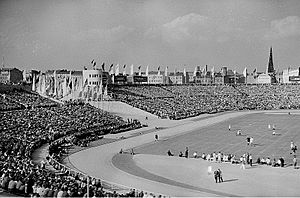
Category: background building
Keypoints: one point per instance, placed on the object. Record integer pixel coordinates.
(11, 75)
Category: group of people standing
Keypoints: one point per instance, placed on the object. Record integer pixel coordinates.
(218, 176)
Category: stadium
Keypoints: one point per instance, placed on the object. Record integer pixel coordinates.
(172, 98)
(122, 150)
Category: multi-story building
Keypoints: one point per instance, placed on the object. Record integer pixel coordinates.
(10, 75)
(291, 75)
(176, 78)
(156, 77)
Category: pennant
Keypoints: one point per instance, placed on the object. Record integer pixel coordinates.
(195, 71)
(103, 64)
(213, 71)
(111, 69)
(117, 70)
(147, 70)
(124, 70)
(105, 90)
(166, 71)
(140, 72)
(245, 72)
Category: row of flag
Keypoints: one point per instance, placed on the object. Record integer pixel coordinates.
(116, 70)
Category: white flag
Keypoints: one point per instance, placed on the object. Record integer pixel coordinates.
(117, 70)
(195, 71)
(245, 72)
(147, 70)
(166, 71)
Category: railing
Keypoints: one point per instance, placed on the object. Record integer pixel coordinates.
(109, 187)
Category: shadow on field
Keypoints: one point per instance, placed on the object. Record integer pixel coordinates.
(230, 180)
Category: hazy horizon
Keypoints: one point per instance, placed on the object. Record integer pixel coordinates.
(40, 34)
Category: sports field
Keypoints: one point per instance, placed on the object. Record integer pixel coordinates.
(217, 138)
(151, 170)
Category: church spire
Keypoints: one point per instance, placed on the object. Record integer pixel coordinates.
(270, 68)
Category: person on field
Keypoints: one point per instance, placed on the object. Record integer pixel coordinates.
(220, 177)
(156, 137)
(195, 155)
(209, 170)
(170, 153)
(186, 152)
(250, 159)
(216, 175)
(251, 141)
(248, 140)
(295, 162)
(180, 154)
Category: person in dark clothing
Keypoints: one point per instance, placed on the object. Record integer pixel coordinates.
(186, 152)
(156, 137)
(216, 175)
(180, 154)
(220, 178)
(248, 140)
(170, 153)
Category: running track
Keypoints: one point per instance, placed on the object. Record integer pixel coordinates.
(148, 176)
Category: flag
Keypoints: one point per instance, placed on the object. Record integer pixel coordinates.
(55, 83)
(234, 72)
(139, 68)
(204, 70)
(75, 84)
(124, 70)
(103, 64)
(48, 84)
(85, 68)
(213, 71)
(245, 72)
(85, 84)
(184, 72)
(131, 70)
(111, 69)
(117, 70)
(147, 70)
(70, 86)
(254, 71)
(166, 71)
(105, 90)
(195, 71)
(158, 69)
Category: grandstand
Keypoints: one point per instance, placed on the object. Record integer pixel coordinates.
(30, 121)
(180, 102)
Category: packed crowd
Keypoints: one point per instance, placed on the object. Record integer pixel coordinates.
(22, 131)
(14, 100)
(179, 102)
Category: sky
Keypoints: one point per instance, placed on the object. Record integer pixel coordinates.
(68, 34)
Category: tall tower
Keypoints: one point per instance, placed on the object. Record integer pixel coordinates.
(270, 68)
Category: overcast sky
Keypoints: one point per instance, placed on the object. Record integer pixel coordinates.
(50, 34)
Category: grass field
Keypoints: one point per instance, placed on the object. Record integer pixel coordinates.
(217, 137)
